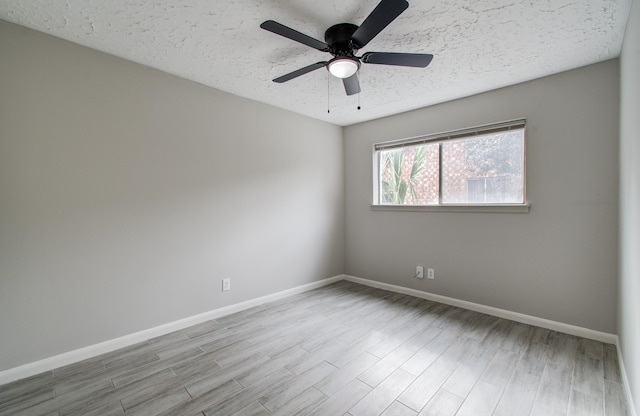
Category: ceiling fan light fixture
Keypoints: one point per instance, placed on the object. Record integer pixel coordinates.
(343, 66)
(343, 40)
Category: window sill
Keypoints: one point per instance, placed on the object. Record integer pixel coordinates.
(504, 208)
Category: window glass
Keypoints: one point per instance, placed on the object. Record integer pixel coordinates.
(476, 167)
(487, 169)
(409, 175)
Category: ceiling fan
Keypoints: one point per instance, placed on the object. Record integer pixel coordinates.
(343, 41)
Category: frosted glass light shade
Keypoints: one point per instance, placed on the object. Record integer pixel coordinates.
(343, 67)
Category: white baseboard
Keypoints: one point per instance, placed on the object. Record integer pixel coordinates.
(48, 364)
(489, 310)
(80, 354)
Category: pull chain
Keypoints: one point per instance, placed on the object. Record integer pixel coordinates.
(328, 95)
(360, 72)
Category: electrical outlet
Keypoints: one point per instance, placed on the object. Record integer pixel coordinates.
(226, 284)
(419, 272)
(431, 274)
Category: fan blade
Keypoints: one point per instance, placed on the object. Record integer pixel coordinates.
(351, 84)
(301, 71)
(418, 60)
(384, 13)
(287, 32)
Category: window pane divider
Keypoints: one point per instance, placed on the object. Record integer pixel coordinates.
(440, 182)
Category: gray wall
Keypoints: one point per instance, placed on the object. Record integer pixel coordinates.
(629, 298)
(557, 262)
(127, 194)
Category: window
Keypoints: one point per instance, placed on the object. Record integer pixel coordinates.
(476, 167)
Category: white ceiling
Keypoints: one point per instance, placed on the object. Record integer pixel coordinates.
(479, 45)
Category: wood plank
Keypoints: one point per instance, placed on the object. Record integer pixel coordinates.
(611, 365)
(583, 404)
(343, 376)
(277, 398)
(429, 382)
(519, 395)
(481, 401)
(385, 393)
(343, 399)
(442, 403)
(553, 393)
(396, 358)
(302, 403)
(245, 396)
(253, 409)
(615, 402)
(343, 349)
(398, 409)
(485, 395)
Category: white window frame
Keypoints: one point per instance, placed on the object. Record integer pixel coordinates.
(443, 137)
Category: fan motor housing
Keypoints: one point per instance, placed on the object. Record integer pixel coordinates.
(338, 37)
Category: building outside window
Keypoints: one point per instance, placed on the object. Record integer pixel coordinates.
(477, 166)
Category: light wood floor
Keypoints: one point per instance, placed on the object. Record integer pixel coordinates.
(344, 349)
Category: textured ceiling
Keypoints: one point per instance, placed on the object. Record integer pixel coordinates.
(478, 45)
